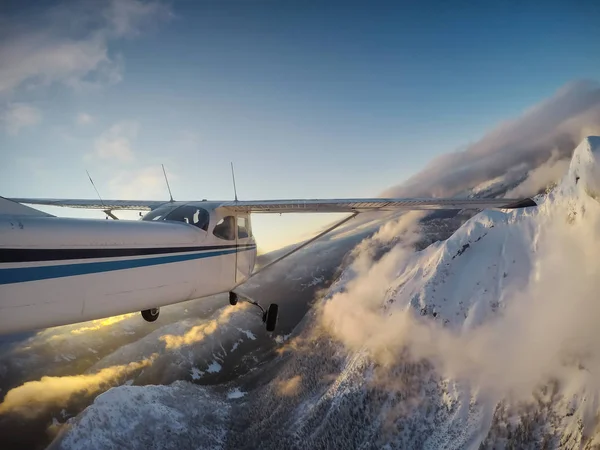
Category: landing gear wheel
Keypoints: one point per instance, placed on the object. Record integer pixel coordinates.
(270, 316)
(233, 298)
(150, 315)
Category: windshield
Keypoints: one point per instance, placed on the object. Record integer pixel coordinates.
(193, 215)
(199, 217)
(159, 213)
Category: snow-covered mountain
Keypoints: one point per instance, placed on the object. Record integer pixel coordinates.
(486, 339)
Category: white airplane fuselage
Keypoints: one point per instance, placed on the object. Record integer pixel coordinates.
(57, 271)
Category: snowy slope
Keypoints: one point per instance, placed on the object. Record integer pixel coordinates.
(181, 415)
(478, 341)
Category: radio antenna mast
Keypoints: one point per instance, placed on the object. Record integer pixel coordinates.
(167, 181)
(94, 186)
(233, 177)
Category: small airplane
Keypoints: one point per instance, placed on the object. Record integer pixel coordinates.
(58, 271)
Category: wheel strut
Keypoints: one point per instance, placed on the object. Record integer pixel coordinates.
(269, 316)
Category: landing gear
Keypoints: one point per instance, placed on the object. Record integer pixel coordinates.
(269, 316)
(150, 315)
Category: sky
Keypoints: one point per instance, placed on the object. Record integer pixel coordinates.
(307, 99)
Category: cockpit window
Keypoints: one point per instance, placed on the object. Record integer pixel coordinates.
(159, 213)
(191, 214)
(225, 228)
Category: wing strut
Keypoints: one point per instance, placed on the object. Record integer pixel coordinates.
(301, 246)
(269, 316)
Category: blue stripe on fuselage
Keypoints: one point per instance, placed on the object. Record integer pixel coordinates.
(24, 274)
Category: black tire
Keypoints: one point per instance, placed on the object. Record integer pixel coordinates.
(150, 315)
(233, 298)
(271, 319)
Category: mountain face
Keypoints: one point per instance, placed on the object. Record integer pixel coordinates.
(457, 332)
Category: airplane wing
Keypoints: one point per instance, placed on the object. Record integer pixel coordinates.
(295, 206)
(375, 204)
(112, 205)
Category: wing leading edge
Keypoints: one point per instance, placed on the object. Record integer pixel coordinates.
(112, 205)
(296, 206)
(375, 204)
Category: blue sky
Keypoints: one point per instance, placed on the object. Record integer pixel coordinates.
(308, 99)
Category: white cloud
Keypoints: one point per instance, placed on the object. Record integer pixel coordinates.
(140, 184)
(19, 115)
(127, 18)
(541, 177)
(46, 52)
(84, 119)
(116, 142)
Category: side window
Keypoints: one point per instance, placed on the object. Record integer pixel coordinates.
(225, 228)
(242, 226)
(201, 218)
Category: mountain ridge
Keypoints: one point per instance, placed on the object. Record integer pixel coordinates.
(482, 340)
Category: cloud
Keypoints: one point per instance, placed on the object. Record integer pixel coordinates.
(19, 115)
(127, 18)
(361, 324)
(139, 184)
(95, 325)
(548, 329)
(289, 387)
(115, 143)
(34, 397)
(84, 119)
(70, 44)
(200, 332)
(541, 177)
(553, 127)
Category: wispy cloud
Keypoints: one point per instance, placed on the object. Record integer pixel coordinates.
(200, 332)
(19, 115)
(70, 44)
(34, 397)
(84, 119)
(140, 183)
(126, 18)
(115, 144)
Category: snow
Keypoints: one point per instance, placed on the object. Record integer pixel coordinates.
(280, 339)
(463, 280)
(196, 373)
(459, 285)
(248, 334)
(214, 367)
(137, 417)
(235, 393)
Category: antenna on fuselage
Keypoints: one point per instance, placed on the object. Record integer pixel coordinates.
(167, 181)
(233, 177)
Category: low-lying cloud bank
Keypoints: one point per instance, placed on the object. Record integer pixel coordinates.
(546, 330)
(548, 131)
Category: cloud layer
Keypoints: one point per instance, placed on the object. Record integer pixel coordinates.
(547, 331)
(69, 44)
(17, 116)
(551, 129)
(34, 397)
